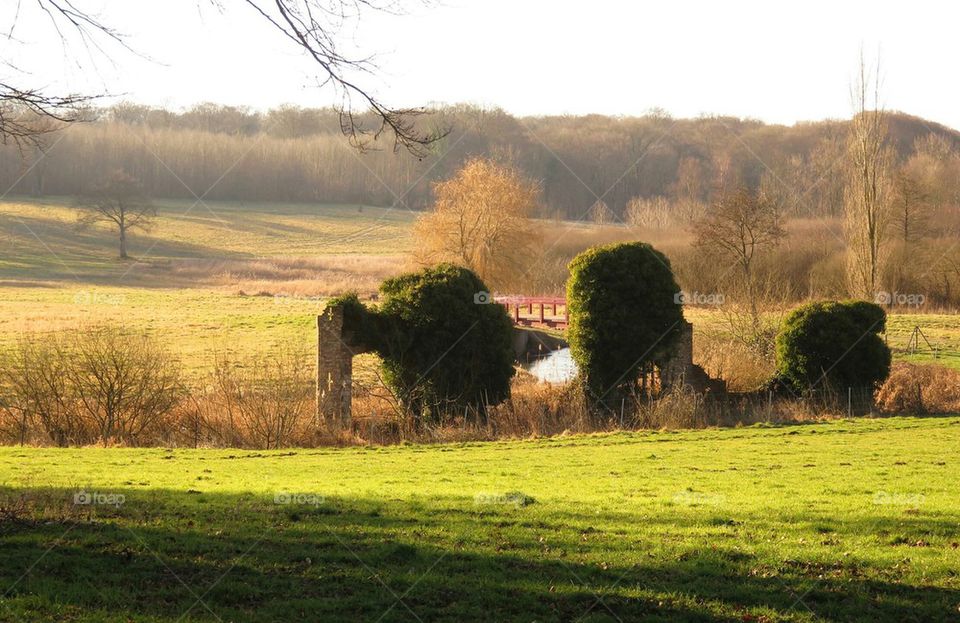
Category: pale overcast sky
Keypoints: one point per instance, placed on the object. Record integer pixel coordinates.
(776, 61)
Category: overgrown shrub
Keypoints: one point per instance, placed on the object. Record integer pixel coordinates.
(624, 316)
(356, 317)
(36, 396)
(833, 345)
(445, 346)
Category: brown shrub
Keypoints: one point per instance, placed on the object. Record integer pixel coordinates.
(741, 367)
(260, 402)
(534, 409)
(538, 409)
(37, 402)
(675, 409)
(920, 388)
(100, 384)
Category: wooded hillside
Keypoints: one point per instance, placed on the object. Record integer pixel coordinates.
(293, 154)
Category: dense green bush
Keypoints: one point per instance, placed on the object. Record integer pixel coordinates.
(441, 348)
(833, 345)
(364, 324)
(624, 316)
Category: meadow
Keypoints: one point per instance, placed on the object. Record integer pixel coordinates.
(851, 519)
(198, 279)
(243, 279)
(41, 239)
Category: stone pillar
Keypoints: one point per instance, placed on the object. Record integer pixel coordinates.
(676, 369)
(680, 371)
(334, 371)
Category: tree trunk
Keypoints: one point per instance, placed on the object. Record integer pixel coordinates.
(123, 242)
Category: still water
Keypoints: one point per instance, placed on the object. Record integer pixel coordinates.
(554, 367)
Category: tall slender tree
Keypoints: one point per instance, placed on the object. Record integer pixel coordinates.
(868, 193)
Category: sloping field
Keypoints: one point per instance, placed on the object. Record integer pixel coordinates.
(41, 240)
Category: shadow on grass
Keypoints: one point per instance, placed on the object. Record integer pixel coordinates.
(163, 555)
(56, 250)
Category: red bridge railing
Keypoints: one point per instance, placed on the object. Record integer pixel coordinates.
(536, 311)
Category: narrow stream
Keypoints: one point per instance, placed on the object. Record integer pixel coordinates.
(555, 367)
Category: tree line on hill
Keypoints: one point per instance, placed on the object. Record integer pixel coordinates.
(591, 167)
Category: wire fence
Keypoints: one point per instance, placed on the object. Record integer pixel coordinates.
(768, 405)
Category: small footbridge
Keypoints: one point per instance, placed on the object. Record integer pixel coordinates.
(536, 312)
(539, 323)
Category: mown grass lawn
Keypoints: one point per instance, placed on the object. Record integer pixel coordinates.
(848, 520)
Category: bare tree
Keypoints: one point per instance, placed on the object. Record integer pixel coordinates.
(911, 200)
(311, 26)
(654, 213)
(28, 116)
(80, 386)
(868, 191)
(740, 225)
(36, 395)
(600, 213)
(263, 402)
(936, 164)
(125, 384)
(121, 202)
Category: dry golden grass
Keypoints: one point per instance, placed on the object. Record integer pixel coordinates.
(319, 276)
(920, 388)
(742, 368)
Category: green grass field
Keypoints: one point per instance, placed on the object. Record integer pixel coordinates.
(841, 521)
(197, 324)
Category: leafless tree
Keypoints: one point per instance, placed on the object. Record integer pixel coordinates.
(85, 385)
(600, 213)
(868, 193)
(311, 26)
(27, 116)
(35, 394)
(911, 199)
(652, 213)
(740, 225)
(125, 384)
(121, 202)
(263, 402)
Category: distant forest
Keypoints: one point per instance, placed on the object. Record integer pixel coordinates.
(299, 155)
